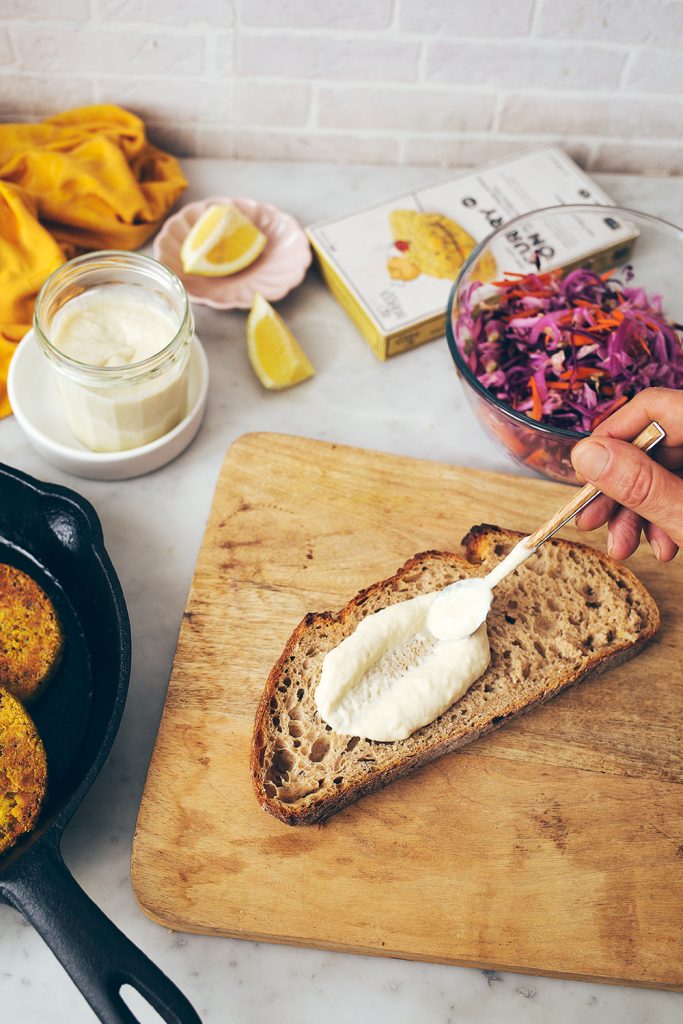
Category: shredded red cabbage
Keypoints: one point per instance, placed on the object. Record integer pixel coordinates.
(567, 349)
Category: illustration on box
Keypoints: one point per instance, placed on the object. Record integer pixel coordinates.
(433, 244)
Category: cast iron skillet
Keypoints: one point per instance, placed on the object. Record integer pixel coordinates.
(55, 536)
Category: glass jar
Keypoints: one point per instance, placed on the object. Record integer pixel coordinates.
(122, 406)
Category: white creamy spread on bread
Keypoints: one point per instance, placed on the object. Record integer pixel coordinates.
(458, 611)
(406, 664)
(391, 676)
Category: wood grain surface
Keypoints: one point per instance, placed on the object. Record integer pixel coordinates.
(553, 846)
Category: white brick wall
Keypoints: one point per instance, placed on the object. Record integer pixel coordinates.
(441, 82)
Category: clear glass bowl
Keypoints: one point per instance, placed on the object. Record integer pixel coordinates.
(655, 254)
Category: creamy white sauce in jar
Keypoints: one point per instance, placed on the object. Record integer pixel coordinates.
(116, 328)
(112, 326)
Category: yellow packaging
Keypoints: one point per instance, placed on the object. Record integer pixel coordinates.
(392, 266)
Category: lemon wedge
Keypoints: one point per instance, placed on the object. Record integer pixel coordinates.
(276, 356)
(222, 242)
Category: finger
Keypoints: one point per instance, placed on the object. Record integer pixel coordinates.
(634, 480)
(600, 510)
(596, 514)
(662, 404)
(623, 537)
(660, 542)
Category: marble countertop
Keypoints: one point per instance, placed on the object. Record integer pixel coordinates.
(153, 526)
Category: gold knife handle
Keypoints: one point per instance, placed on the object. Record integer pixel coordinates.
(646, 440)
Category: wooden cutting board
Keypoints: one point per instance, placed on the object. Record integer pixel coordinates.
(553, 846)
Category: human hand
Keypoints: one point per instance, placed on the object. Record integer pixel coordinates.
(641, 492)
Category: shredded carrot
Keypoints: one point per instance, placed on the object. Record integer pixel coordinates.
(582, 373)
(652, 324)
(537, 405)
(538, 458)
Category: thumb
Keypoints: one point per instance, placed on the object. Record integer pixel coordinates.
(634, 480)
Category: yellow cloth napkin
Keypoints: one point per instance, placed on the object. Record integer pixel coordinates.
(84, 179)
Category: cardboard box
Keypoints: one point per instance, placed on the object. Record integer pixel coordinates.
(392, 266)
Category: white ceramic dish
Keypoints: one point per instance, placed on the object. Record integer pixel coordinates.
(36, 404)
(280, 267)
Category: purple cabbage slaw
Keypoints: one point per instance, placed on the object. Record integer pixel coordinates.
(568, 349)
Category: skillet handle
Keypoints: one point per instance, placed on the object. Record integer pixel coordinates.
(98, 957)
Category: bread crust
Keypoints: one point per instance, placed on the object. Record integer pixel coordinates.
(476, 542)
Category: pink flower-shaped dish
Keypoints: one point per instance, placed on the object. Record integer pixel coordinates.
(280, 267)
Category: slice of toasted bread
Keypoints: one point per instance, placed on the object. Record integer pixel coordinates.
(23, 771)
(31, 640)
(567, 613)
